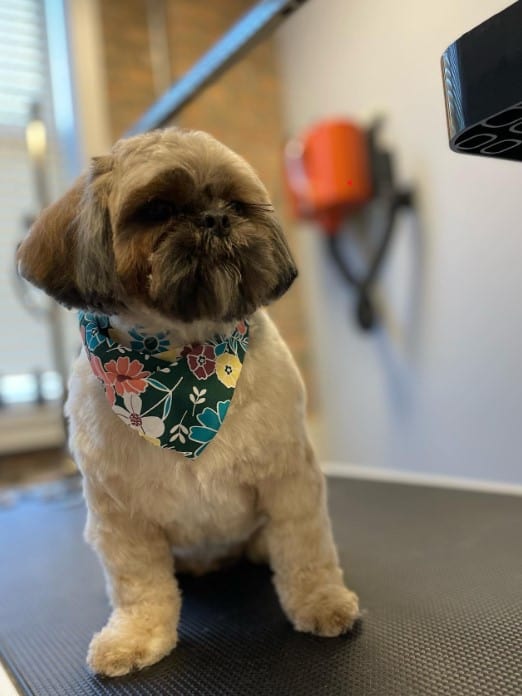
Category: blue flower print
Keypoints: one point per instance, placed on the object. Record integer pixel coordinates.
(94, 334)
(239, 338)
(149, 343)
(220, 348)
(210, 421)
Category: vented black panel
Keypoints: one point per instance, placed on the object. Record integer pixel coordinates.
(482, 77)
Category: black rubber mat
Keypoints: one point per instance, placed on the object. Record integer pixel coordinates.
(439, 574)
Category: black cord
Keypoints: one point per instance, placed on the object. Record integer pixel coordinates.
(365, 310)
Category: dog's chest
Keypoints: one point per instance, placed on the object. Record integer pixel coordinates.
(193, 514)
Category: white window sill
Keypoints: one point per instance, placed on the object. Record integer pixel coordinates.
(29, 427)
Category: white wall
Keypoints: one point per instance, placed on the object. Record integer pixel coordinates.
(439, 387)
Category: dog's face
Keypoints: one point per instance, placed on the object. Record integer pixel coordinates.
(172, 220)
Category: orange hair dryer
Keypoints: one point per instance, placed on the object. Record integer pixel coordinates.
(335, 169)
(328, 173)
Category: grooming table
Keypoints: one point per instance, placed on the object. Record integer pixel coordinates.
(438, 572)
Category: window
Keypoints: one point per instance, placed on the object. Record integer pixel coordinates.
(27, 361)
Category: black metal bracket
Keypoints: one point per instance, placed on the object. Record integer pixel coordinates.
(393, 200)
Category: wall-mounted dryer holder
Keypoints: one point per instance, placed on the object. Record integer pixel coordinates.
(338, 169)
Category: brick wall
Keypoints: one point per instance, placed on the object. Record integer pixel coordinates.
(242, 108)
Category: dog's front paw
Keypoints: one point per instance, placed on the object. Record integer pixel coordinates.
(126, 645)
(328, 611)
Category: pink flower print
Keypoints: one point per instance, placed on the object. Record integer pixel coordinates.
(126, 376)
(99, 372)
(201, 360)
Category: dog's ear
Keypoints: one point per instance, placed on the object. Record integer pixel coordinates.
(68, 251)
(45, 257)
(286, 269)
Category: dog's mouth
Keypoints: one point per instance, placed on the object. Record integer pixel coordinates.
(206, 245)
(213, 270)
(196, 276)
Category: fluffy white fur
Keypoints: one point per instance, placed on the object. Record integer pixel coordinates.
(258, 485)
(257, 488)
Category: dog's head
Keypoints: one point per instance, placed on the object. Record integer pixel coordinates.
(172, 220)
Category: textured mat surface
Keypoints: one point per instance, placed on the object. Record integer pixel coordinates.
(439, 574)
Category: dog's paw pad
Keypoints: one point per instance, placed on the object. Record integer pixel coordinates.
(113, 653)
(329, 611)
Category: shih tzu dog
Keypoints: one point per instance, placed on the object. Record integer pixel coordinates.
(186, 408)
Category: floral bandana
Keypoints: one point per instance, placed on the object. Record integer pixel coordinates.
(174, 398)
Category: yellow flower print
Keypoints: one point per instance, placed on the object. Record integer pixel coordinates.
(152, 440)
(170, 355)
(114, 335)
(228, 367)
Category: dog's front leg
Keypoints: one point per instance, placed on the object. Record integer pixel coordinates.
(302, 553)
(138, 566)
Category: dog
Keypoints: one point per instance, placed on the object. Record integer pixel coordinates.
(170, 248)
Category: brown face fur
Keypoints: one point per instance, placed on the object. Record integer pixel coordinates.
(172, 219)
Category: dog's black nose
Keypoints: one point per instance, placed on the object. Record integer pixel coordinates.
(217, 223)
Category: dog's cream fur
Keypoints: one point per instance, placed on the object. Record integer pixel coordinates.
(256, 489)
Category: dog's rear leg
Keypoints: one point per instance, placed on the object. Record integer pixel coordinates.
(302, 553)
(257, 547)
(138, 564)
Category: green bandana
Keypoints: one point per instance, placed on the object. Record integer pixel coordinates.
(175, 398)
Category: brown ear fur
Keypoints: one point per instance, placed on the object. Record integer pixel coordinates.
(45, 256)
(68, 252)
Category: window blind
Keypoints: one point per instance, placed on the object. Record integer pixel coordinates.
(24, 79)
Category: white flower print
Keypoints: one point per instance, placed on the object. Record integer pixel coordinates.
(149, 426)
(197, 397)
(179, 432)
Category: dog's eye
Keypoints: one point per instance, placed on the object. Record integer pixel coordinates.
(238, 207)
(157, 211)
